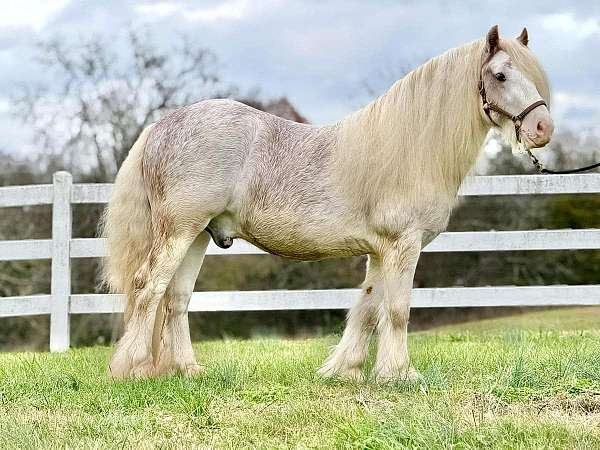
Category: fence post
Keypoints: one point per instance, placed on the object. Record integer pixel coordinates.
(61, 262)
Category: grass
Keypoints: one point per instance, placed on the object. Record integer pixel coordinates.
(530, 381)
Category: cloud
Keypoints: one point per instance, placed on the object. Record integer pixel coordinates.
(570, 26)
(4, 105)
(228, 10)
(577, 110)
(160, 9)
(319, 53)
(29, 13)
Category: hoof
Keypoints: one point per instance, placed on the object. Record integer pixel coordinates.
(124, 364)
(189, 369)
(143, 370)
(192, 370)
(354, 374)
(120, 365)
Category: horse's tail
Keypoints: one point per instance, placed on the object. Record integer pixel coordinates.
(126, 224)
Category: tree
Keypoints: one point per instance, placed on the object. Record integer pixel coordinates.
(104, 98)
(86, 118)
(279, 107)
(382, 79)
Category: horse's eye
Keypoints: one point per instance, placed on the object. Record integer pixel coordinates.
(500, 76)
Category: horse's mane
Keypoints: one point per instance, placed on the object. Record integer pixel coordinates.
(429, 123)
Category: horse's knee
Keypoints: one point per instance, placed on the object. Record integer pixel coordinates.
(397, 313)
(363, 315)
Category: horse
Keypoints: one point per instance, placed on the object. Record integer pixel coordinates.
(382, 182)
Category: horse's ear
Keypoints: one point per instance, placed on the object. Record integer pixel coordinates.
(523, 37)
(492, 40)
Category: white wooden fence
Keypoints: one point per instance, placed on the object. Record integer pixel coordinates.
(62, 249)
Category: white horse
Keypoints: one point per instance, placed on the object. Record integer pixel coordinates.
(381, 182)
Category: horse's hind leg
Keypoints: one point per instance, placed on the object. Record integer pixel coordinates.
(347, 359)
(172, 346)
(172, 238)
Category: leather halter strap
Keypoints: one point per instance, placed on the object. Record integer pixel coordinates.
(516, 119)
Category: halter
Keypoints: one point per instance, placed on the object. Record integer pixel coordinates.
(518, 121)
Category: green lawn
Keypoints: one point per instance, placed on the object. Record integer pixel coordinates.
(530, 381)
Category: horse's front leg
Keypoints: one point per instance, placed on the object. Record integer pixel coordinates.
(347, 358)
(399, 261)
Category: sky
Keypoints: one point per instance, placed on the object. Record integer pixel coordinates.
(317, 53)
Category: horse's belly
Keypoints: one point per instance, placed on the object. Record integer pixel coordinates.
(309, 250)
(305, 241)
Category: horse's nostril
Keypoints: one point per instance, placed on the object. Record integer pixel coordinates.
(544, 129)
(541, 127)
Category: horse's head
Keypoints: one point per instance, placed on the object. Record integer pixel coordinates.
(515, 92)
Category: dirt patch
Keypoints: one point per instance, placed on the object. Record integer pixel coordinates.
(369, 401)
(579, 405)
(482, 407)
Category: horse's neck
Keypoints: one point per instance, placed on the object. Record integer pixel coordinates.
(423, 135)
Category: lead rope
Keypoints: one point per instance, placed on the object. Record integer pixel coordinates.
(541, 169)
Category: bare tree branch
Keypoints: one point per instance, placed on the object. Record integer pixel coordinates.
(101, 102)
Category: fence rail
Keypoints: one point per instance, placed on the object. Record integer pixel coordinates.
(62, 248)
